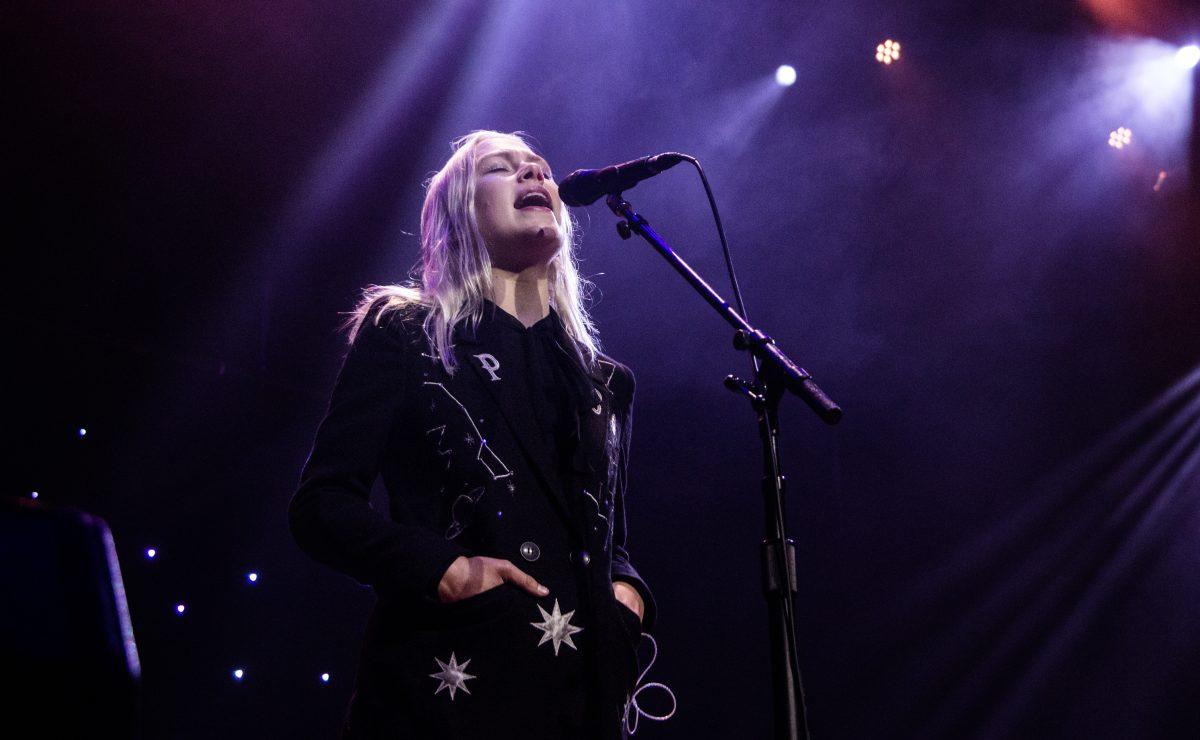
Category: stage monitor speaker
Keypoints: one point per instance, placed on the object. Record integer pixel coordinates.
(66, 642)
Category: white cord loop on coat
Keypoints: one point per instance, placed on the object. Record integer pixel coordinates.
(631, 721)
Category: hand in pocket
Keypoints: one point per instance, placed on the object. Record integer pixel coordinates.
(468, 577)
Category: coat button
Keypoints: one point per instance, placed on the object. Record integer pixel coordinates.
(581, 557)
(530, 551)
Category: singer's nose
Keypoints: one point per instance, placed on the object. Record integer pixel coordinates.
(534, 170)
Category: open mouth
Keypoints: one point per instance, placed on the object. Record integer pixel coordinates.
(534, 199)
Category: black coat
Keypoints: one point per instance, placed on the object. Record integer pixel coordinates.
(463, 477)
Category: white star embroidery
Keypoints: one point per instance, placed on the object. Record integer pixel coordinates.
(557, 627)
(452, 676)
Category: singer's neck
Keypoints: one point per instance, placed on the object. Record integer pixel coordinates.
(524, 294)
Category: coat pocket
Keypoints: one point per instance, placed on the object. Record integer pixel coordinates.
(631, 624)
(481, 607)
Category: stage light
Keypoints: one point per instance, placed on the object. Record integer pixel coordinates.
(151, 552)
(180, 608)
(887, 52)
(1120, 138)
(1188, 56)
(82, 432)
(785, 75)
(238, 673)
(34, 494)
(324, 678)
(252, 577)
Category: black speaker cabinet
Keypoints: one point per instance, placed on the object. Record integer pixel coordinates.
(66, 642)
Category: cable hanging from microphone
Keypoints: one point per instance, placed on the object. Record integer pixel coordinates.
(584, 187)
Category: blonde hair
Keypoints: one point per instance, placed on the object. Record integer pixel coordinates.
(455, 267)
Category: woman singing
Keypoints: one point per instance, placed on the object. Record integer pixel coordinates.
(507, 603)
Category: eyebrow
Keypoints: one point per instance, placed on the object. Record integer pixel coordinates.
(511, 155)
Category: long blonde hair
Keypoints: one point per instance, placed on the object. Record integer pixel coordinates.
(455, 267)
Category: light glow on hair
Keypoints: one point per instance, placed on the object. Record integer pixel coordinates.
(455, 267)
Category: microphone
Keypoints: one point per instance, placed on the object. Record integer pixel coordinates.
(584, 187)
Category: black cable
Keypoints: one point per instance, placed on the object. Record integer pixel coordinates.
(737, 290)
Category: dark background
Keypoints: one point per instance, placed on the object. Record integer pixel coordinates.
(999, 540)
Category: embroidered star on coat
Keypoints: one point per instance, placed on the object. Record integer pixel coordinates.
(452, 676)
(556, 627)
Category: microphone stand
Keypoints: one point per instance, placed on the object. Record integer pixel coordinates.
(774, 373)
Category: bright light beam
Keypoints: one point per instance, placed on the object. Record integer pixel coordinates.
(1188, 56)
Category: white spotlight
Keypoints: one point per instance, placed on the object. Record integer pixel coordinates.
(238, 673)
(1120, 138)
(785, 75)
(1188, 56)
(252, 577)
(180, 608)
(324, 678)
(151, 552)
(887, 52)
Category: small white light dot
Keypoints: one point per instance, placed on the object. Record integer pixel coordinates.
(151, 552)
(252, 577)
(33, 494)
(785, 75)
(324, 678)
(82, 432)
(180, 608)
(238, 673)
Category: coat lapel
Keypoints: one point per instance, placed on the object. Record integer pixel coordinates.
(590, 460)
(512, 403)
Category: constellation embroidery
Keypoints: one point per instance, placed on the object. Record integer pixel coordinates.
(612, 369)
(484, 454)
(608, 533)
(462, 511)
(438, 443)
(613, 447)
(588, 493)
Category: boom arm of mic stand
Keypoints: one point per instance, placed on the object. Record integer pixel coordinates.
(779, 366)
